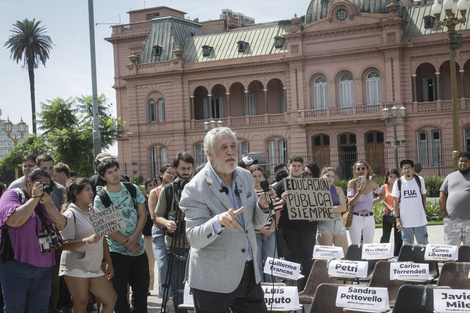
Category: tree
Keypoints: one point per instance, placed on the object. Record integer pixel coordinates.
(30, 44)
(71, 137)
(68, 133)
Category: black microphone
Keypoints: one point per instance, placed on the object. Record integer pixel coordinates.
(224, 189)
(265, 186)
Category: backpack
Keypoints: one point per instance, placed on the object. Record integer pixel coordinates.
(106, 200)
(418, 181)
(6, 249)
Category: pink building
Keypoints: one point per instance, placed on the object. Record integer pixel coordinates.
(314, 85)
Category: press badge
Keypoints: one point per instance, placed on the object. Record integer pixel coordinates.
(44, 242)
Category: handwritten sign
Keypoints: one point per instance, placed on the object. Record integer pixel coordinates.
(451, 300)
(362, 297)
(346, 268)
(285, 298)
(409, 271)
(327, 252)
(107, 221)
(282, 268)
(308, 198)
(441, 253)
(377, 251)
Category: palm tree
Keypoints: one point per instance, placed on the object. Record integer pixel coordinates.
(30, 43)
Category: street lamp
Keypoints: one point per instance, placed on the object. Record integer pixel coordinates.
(8, 129)
(394, 123)
(455, 42)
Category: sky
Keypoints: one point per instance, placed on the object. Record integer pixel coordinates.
(68, 71)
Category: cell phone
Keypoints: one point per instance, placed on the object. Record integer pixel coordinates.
(362, 178)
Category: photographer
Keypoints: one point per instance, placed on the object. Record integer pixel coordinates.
(171, 219)
(30, 224)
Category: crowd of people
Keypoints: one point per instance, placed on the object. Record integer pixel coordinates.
(211, 227)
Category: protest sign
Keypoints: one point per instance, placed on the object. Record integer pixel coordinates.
(441, 253)
(327, 252)
(373, 299)
(107, 221)
(377, 251)
(409, 271)
(451, 300)
(348, 269)
(282, 268)
(283, 298)
(308, 198)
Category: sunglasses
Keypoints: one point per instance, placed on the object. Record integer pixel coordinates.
(360, 169)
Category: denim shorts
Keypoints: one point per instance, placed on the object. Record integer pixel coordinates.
(334, 227)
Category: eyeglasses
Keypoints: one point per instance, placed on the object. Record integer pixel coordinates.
(360, 169)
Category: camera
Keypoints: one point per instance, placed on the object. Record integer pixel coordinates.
(47, 188)
(362, 178)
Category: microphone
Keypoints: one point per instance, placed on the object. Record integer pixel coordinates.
(224, 189)
(265, 186)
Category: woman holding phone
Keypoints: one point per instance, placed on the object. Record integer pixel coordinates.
(361, 191)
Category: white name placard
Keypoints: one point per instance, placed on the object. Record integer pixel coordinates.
(409, 271)
(327, 252)
(187, 296)
(441, 253)
(346, 268)
(107, 221)
(282, 268)
(362, 297)
(377, 251)
(451, 300)
(285, 298)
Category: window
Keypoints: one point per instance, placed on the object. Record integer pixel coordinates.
(242, 46)
(428, 21)
(251, 104)
(244, 148)
(161, 110)
(436, 153)
(279, 41)
(373, 88)
(467, 139)
(157, 52)
(429, 89)
(320, 93)
(151, 114)
(158, 157)
(283, 101)
(198, 154)
(217, 107)
(346, 91)
(150, 16)
(206, 50)
(279, 156)
(423, 158)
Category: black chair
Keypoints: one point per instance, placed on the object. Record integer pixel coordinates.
(381, 278)
(324, 300)
(415, 253)
(415, 299)
(464, 254)
(455, 275)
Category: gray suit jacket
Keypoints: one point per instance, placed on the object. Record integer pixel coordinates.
(217, 262)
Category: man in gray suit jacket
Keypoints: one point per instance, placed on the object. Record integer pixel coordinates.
(222, 212)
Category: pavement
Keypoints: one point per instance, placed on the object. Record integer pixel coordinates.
(435, 232)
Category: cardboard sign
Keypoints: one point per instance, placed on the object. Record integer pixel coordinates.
(327, 252)
(346, 268)
(285, 298)
(377, 251)
(309, 198)
(282, 268)
(409, 271)
(362, 297)
(451, 300)
(107, 221)
(441, 253)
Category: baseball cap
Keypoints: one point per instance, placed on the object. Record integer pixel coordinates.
(248, 161)
(103, 155)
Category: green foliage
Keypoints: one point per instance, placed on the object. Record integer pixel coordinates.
(433, 214)
(68, 133)
(433, 184)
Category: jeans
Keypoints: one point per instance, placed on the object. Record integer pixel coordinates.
(177, 269)
(25, 285)
(132, 270)
(386, 230)
(409, 234)
(159, 251)
(266, 249)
